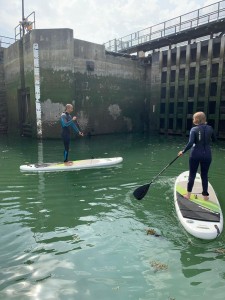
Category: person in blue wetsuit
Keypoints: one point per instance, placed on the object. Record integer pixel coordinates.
(199, 142)
(67, 121)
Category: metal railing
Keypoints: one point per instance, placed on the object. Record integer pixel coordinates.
(25, 27)
(6, 41)
(194, 19)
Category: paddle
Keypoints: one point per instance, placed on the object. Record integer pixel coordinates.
(141, 191)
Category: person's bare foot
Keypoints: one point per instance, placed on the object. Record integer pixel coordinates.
(68, 163)
(187, 196)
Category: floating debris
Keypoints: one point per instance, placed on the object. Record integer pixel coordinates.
(220, 250)
(158, 266)
(152, 232)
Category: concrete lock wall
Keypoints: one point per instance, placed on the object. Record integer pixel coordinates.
(3, 104)
(108, 92)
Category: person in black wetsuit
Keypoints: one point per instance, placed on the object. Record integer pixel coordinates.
(67, 121)
(199, 142)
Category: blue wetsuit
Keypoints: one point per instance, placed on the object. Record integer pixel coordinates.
(199, 142)
(66, 123)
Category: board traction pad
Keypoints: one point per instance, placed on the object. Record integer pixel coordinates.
(199, 200)
(192, 210)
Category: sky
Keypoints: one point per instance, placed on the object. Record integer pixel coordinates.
(96, 21)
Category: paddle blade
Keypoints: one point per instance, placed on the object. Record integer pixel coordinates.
(141, 191)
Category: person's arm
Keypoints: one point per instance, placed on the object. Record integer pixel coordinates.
(64, 121)
(189, 144)
(75, 128)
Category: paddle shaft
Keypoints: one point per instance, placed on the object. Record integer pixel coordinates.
(141, 191)
(164, 169)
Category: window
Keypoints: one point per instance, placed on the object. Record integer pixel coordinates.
(215, 70)
(164, 76)
(172, 75)
(191, 90)
(192, 73)
(213, 89)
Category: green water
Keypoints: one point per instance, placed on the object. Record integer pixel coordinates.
(81, 235)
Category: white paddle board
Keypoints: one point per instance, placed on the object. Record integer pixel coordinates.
(201, 218)
(74, 165)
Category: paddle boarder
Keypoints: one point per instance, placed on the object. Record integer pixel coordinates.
(199, 142)
(68, 121)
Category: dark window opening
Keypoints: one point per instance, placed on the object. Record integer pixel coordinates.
(181, 92)
(213, 89)
(163, 92)
(216, 50)
(183, 57)
(164, 60)
(171, 108)
(164, 76)
(204, 52)
(179, 124)
(189, 124)
(215, 70)
(223, 90)
(191, 90)
(90, 65)
(172, 91)
(182, 74)
(172, 75)
(200, 106)
(190, 108)
(201, 90)
(173, 59)
(180, 106)
(162, 108)
(222, 126)
(193, 54)
(212, 107)
(202, 71)
(222, 107)
(192, 73)
(170, 125)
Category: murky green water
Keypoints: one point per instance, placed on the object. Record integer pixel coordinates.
(81, 235)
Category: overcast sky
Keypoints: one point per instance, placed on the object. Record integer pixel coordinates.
(96, 21)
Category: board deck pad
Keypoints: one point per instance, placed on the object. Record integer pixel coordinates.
(196, 198)
(192, 210)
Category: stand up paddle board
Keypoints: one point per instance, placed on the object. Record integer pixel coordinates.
(201, 218)
(74, 165)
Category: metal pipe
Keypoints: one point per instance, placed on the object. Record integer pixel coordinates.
(23, 16)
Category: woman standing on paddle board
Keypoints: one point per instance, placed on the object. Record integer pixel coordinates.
(67, 121)
(199, 142)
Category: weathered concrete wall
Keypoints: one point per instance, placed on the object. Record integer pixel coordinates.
(13, 83)
(108, 92)
(3, 105)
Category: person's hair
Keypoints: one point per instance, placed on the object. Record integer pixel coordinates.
(199, 118)
(67, 106)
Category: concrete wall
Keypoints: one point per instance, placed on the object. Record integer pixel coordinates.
(188, 79)
(108, 92)
(3, 104)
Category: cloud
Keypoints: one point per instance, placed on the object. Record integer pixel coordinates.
(96, 21)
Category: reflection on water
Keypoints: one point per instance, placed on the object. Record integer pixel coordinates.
(82, 235)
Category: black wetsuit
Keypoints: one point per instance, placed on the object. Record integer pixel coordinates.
(199, 142)
(66, 123)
